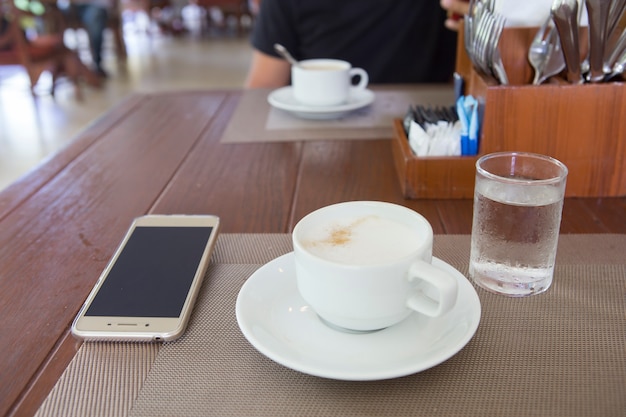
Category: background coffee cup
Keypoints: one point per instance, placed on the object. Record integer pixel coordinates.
(366, 265)
(325, 82)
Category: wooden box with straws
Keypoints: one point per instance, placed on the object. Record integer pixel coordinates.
(583, 126)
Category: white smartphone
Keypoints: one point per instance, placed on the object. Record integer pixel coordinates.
(148, 289)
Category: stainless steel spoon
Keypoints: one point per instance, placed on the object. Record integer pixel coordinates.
(619, 67)
(555, 62)
(615, 53)
(598, 11)
(285, 54)
(616, 11)
(565, 16)
(540, 49)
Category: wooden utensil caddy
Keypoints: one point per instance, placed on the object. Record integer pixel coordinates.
(583, 126)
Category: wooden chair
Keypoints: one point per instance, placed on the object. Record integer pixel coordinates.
(41, 52)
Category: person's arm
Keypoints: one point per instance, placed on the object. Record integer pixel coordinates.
(454, 7)
(267, 71)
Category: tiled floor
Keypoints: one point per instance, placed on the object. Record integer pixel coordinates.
(31, 130)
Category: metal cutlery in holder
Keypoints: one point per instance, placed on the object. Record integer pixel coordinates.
(582, 125)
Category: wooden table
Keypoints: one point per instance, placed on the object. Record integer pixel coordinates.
(60, 224)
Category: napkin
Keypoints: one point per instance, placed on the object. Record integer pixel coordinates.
(435, 139)
(433, 131)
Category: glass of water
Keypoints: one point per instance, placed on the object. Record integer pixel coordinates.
(518, 200)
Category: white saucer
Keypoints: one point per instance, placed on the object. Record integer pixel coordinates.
(283, 99)
(279, 324)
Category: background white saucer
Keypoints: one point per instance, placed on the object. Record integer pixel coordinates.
(283, 99)
(279, 324)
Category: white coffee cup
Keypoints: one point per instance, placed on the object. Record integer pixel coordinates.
(366, 265)
(325, 82)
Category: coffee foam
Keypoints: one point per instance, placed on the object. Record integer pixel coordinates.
(365, 240)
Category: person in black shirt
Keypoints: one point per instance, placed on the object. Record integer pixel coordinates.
(395, 41)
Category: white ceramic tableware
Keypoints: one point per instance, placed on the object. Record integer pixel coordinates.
(283, 99)
(325, 82)
(280, 324)
(367, 265)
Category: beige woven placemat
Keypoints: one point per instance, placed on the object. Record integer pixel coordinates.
(255, 121)
(562, 353)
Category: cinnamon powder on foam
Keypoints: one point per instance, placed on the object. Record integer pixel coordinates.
(340, 236)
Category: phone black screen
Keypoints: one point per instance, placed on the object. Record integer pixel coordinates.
(153, 273)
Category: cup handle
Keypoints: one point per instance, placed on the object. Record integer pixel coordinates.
(434, 280)
(363, 77)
